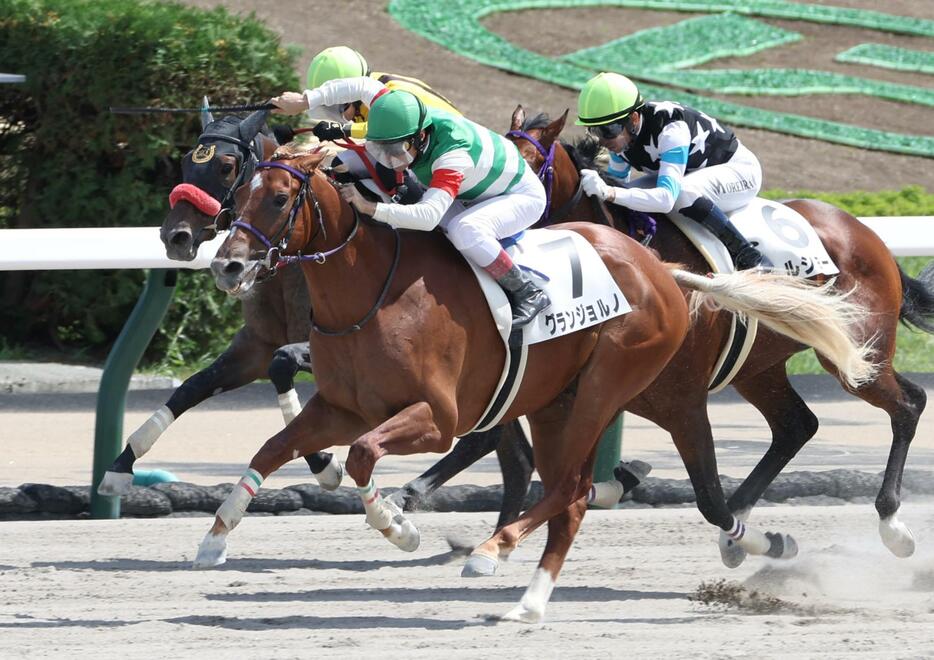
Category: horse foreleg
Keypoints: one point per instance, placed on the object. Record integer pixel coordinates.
(240, 364)
(317, 426)
(695, 444)
(286, 362)
(516, 463)
(411, 431)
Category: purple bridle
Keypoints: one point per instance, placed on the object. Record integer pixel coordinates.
(546, 172)
(274, 255)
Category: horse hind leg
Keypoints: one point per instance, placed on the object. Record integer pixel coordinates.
(286, 362)
(904, 402)
(240, 364)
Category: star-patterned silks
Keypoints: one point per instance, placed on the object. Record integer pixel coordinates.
(713, 122)
(666, 106)
(651, 149)
(699, 141)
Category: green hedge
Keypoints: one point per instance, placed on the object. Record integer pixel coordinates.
(66, 161)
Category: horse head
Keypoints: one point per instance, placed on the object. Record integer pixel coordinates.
(227, 152)
(285, 213)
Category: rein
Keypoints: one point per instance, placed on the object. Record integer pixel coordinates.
(274, 262)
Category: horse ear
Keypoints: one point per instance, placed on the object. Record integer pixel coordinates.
(206, 116)
(553, 130)
(252, 125)
(518, 118)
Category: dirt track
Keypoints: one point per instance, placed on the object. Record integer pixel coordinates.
(330, 587)
(489, 95)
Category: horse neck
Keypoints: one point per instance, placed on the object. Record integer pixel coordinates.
(567, 178)
(345, 287)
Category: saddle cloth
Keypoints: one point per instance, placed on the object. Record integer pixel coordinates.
(785, 238)
(582, 293)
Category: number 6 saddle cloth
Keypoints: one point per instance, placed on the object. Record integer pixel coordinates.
(582, 293)
(785, 238)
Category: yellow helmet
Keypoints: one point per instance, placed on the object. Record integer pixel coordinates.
(606, 98)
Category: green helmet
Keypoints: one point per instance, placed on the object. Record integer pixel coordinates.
(606, 98)
(334, 63)
(396, 115)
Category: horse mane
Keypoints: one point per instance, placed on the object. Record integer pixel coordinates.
(541, 120)
(293, 151)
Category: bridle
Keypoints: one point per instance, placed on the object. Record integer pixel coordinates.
(275, 260)
(546, 173)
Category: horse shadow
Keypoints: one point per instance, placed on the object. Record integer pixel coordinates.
(254, 565)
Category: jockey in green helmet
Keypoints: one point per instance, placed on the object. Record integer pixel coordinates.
(699, 168)
(479, 188)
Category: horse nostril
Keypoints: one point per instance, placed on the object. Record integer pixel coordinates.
(233, 268)
(180, 238)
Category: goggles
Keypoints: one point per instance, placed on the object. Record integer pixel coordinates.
(394, 155)
(607, 131)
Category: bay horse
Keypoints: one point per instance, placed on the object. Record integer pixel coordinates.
(406, 356)
(277, 323)
(867, 268)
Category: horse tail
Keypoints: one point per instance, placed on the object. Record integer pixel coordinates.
(810, 314)
(918, 299)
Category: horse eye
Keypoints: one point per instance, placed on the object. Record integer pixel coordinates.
(226, 169)
(281, 199)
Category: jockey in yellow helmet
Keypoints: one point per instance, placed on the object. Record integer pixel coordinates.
(341, 87)
(698, 166)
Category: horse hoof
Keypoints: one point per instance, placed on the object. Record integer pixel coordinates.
(480, 565)
(521, 614)
(115, 484)
(330, 477)
(782, 546)
(897, 537)
(403, 534)
(731, 554)
(212, 552)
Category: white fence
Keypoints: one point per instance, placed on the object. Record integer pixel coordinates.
(139, 247)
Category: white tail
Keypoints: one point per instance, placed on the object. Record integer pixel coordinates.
(813, 315)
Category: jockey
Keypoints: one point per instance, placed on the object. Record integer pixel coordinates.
(701, 168)
(342, 88)
(479, 188)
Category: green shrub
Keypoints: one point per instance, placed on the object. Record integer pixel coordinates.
(66, 161)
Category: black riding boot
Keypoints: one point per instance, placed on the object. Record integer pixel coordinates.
(526, 299)
(744, 254)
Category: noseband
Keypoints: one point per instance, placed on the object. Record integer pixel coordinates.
(546, 173)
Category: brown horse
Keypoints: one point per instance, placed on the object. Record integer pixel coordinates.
(866, 267)
(407, 358)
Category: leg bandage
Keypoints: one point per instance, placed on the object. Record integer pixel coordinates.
(289, 405)
(749, 539)
(143, 438)
(378, 516)
(233, 508)
(605, 494)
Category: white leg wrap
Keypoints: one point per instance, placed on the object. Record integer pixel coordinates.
(289, 405)
(605, 494)
(146, 435)
(531, 609)
(749, 539)
(378, 514)
(233, 508)
(386, 517)
(330, 477)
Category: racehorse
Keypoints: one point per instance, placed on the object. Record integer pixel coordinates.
(406, 358)
(867, 268)
(277, 323)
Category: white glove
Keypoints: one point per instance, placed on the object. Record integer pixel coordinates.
(593, 185)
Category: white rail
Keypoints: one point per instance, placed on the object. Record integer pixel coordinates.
(140, 247)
